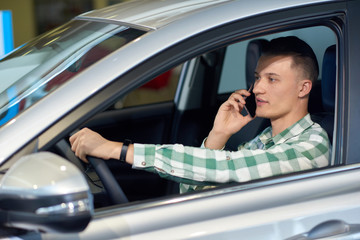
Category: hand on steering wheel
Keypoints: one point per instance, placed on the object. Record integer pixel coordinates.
(113, 189)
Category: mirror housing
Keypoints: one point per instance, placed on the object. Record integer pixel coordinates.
(44, 192)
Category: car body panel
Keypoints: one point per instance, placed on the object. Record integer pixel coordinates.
(157, 14)
(351, 89)
(276, 211)
(277, 208)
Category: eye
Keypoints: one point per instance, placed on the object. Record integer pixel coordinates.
(272, 79)
(257, 78)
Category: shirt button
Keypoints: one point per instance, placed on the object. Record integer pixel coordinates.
(143, 163)
(228, 158)
(172, 171)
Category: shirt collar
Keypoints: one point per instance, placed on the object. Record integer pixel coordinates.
(294, 130)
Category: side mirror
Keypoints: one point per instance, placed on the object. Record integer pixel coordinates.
(44, 192)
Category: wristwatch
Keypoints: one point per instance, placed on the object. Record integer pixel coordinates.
(124, 150)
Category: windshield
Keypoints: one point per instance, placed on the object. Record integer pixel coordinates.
(40, 66)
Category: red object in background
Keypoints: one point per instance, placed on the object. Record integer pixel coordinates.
(159, 82)
(92, 56)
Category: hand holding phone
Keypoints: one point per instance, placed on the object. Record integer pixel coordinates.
(250, 105)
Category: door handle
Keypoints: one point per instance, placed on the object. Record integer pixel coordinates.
(332, 229)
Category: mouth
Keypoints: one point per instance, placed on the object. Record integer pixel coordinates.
(260, 101)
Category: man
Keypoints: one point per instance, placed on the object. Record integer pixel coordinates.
(283, 80)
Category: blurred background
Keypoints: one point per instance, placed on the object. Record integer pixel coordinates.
(33, 17)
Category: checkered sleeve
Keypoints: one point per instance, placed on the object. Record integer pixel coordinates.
(202, 166)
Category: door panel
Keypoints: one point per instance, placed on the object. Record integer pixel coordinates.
(278, 211)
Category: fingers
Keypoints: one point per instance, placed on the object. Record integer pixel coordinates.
(248, 118)
(237, 99)
(77, 142)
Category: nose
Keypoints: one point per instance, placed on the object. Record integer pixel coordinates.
(259, 86)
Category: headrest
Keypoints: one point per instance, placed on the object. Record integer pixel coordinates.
(328, 80)
(253, 53)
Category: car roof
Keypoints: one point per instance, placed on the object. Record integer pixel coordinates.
(155, 14)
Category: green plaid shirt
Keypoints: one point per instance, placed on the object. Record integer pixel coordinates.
(304, 145)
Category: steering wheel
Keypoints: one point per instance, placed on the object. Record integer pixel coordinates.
(112, 187)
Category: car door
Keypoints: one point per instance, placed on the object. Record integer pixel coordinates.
(320, 203)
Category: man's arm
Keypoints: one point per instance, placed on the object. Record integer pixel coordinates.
(227, 122)
(87, 142)
(192, 165)
(201, 166)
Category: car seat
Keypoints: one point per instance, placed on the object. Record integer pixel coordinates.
(325, 117)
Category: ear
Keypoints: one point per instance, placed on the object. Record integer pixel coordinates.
(304, 87)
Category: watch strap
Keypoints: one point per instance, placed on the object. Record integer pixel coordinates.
(124, 149)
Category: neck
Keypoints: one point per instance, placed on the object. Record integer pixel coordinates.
(280, 124)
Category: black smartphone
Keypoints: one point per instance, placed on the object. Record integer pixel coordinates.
(250, 105)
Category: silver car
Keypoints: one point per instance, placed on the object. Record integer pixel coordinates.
(156, 72)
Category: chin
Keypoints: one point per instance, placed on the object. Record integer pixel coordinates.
(269, 113)
(261, 114)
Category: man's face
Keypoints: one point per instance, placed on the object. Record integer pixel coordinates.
(276, 87)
